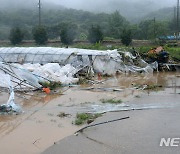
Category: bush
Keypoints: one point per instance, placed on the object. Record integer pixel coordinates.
(126, 37)
(68, 33)
(16, 36)
(95, 34)
(40, 35)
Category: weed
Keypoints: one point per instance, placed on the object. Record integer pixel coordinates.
(63, 114)
(82, 118)
(111, 101)
(153, 87)
(51, 85)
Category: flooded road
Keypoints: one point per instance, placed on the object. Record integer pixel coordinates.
(38, 127)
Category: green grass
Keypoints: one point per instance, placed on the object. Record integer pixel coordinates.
(111, 101)
(82, 118)
(144, 49)
(96, 46)
(174, 52)
(51, 85)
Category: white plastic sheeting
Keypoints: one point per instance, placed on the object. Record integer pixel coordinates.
(104, 62)
(28, 76)
(10, 105)
(53, 72)
(21, 78)
(44, 55)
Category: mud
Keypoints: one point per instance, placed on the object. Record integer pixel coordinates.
(39, 127)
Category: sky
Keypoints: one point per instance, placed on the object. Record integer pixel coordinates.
(95, 4)
(90, 4)
(128, 8)
(131, 9)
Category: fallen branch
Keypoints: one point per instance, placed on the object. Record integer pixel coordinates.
(101, 123)
(36, 140)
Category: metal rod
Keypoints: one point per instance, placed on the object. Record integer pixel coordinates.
(101, 123)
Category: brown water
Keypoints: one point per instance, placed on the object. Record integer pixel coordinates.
(38, 127)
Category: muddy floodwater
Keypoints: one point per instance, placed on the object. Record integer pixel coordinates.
(38, 126)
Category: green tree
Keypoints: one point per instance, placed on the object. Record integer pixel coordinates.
(95, 34)
(159, 28)
(149, 29)
(172, 26)
(144, 28)
(68, 33)
(40, 35)
(16, 36)
(116, 24)
(126, 37)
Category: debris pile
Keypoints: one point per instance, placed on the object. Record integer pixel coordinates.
(158, 54)
(105, 62)
(28, 67)
(21, 78)
(133, 63)
(53, 72)
(25, 69)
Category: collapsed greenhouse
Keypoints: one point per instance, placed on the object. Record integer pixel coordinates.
(23, 69)
(29, 65)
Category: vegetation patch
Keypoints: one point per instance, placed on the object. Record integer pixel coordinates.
(153, 87)
(51, 85)
(63, 115)
(82, 118)
(83, 80)
(148, 87)
(111, 101)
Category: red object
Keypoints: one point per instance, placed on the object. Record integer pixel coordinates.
(47, 90)
(99, 76)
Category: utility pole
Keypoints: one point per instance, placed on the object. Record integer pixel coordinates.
(175, 14)
(39, 6)
(177, 19)
(154, 20)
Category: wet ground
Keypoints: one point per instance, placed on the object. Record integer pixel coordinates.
(39, 127)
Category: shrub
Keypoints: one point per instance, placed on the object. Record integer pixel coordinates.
(16, 36)
(95, 34)
(126, 37)
(68, 33)
(40, 35)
